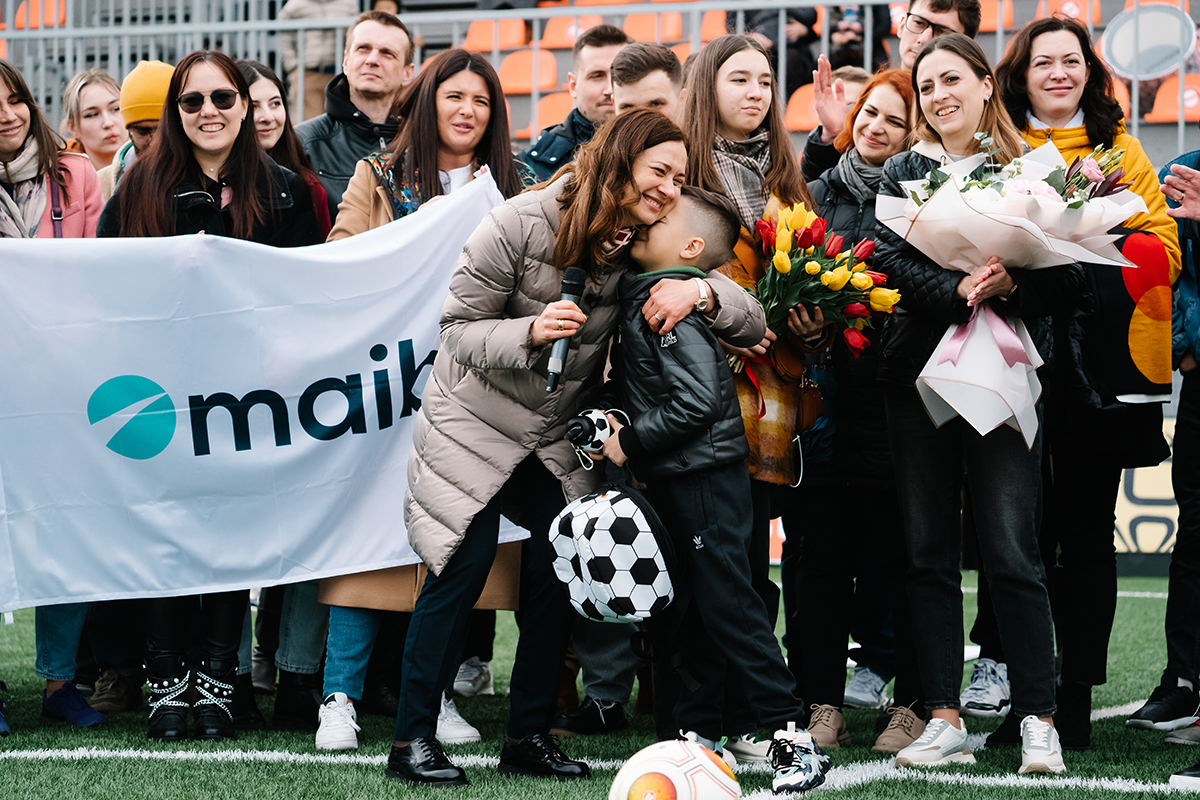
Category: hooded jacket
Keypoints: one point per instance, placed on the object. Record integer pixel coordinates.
(557, 145)
(928, 302)
(485, 407)
(289, 222)
(339, 138)
(677, 389)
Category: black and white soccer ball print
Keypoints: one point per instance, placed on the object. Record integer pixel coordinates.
(606, 554)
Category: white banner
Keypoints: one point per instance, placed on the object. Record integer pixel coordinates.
(196, 413)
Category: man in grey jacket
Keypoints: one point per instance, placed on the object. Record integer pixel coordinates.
(376, 65)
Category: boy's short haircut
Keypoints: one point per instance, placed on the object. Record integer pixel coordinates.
(715, 218)
(969, 12)
(383, 18)
(599, 36)
(851, 75)
(639, 59)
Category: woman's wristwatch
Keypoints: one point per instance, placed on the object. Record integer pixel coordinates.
(703, 303)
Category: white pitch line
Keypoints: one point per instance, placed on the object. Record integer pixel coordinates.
(1143, 595)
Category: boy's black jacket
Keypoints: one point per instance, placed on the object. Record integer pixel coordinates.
(677, 389)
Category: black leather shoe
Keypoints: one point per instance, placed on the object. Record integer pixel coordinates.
(1073, 720)
(594, 716)
(246, 714)
(1007, 735)
(424, 762)
(296, 702)
(538, 756)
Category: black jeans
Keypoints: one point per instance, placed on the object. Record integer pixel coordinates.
(1004, 477)
(726, 629)
(1183, 596)
(437, 633)
(222, 617)
(117, 632)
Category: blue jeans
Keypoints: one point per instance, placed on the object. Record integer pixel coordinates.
(1005, 479)
(302, 626)
(57, 630)
(352, 633)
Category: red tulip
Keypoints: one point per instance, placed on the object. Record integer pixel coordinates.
(863, 250)
(853, 310)
(878, 277)
(804, 238)
(855, 341)
(766, 230)
(819, 227)
(835, 245)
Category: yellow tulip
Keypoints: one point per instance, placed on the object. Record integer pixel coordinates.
(801, 217)
(883, 299)
(781, 262)
(860, 281)
(812, 268)
(837, 278)
(859, 323)
(859, 267)
(783, 240)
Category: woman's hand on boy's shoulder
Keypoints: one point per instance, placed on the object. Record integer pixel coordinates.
(671, 301)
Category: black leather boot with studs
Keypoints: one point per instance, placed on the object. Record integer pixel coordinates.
(168, 679)
(213, 709)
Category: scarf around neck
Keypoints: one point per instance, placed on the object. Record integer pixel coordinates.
(21, 211)
(742, 167)
(860, 178)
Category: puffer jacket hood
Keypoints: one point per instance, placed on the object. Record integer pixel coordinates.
(485, 407)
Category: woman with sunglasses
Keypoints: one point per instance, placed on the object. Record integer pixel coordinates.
(37, 177)
(273, 126)
(205, 172)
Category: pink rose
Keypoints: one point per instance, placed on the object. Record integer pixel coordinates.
(1091, 170)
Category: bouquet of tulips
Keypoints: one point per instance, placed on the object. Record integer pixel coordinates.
(812, 266)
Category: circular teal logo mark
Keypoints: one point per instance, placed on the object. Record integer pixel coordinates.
(148, 431)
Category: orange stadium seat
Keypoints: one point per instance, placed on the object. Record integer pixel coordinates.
(898, 11)
(516, 72)
(642, 27)
(682, 51)
(987, 15)
(712, 26)
(551, 110)
(1121, 91)
(1129, 4)
(560, 32)
(1075, 9)
(482, 35)
(801, 116)
(32, 14)
(1166, 102)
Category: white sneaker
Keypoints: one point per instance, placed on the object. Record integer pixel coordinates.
(339, 724)
(711, 744)
(474, 678)
(866, 690)
(1040, 751)
(988, 695)
(797, 762)
(941, 743)
(748, 749)
(452, 728)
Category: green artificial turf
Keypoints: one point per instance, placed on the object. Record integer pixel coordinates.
(1118, 754)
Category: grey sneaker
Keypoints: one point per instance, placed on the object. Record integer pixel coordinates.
(474, 678)
(1188, 735)
(866, 690)
(988, 695)
(798, 763)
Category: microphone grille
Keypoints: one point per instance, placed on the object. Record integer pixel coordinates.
(573, 281)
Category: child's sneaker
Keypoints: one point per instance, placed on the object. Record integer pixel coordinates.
(798, 762)
(338, 729)
(69, 705)
(1040, 750)
(941, 743)
(988, 695)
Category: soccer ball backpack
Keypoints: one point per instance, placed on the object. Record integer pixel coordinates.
(614, 555)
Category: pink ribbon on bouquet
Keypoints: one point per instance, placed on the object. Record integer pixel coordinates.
(1006, 339)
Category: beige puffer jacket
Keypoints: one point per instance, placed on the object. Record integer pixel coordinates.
(485, 407)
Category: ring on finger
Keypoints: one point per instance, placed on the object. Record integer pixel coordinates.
(560, 324)
(658, 316)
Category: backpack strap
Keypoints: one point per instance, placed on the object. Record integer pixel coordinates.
(56, 212)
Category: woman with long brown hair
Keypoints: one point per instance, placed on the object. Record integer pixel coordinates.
(489, 435)
(1104, 409)
(273, 126)
(957, 93)
(204, 173)
(740, 147)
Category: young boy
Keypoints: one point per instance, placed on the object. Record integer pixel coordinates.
(687, 443)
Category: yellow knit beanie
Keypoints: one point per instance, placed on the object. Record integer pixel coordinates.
(144, 91)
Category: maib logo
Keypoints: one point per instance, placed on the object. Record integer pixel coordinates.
(149, 430)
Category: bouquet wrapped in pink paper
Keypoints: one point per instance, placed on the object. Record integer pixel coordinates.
(1034, 212)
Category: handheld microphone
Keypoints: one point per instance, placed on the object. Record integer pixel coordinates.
(572, 289)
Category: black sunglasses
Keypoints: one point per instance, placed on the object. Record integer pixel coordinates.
(194, 101)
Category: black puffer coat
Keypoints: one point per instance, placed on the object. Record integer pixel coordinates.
(677, 389)
(289, 221)
(860, 450)
(928, 303)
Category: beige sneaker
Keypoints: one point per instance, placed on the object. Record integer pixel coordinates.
(902, 729)
(828, 727)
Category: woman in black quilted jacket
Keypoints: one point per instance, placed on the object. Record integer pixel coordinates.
(829, 561)
(957, 93)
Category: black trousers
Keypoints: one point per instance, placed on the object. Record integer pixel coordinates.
(222, 616)
(1183, 596)
(117, 632)
(725, 628)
